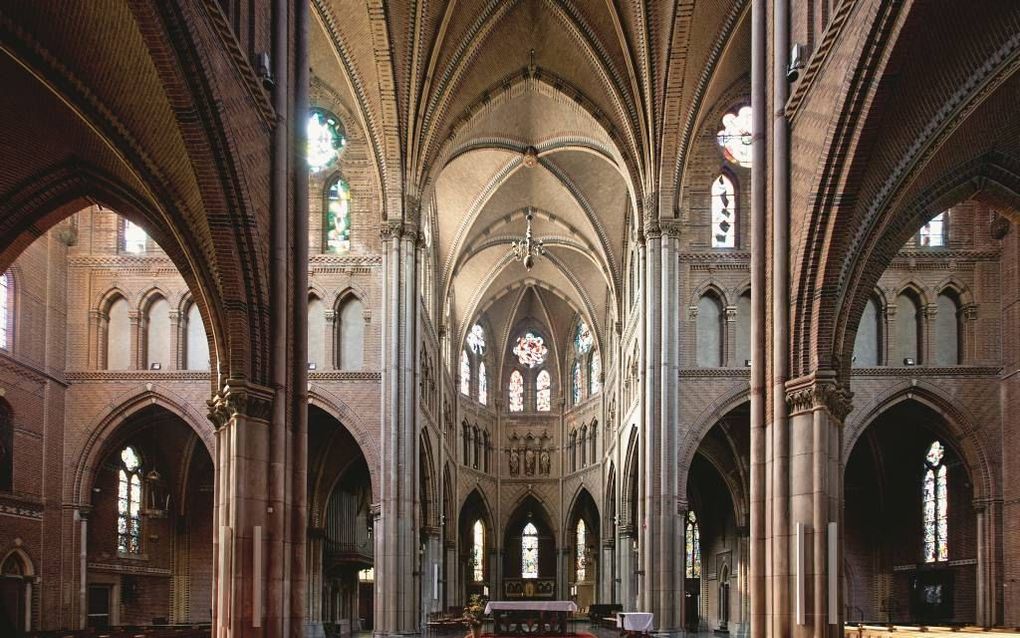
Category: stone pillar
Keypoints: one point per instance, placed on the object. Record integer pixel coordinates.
(176, 352)
(82, 518)
(968, 335)
(137, 336)
(650, 530)
(314, 617)
(889, 353)
(97, 340)
(242, 591)
(625, 556)
(330, 342)
(431, 588)
(450, 581)
(666, 462)
(397, 559)
(928, 336)
(818, 404)
(608, 573)
(730, 337)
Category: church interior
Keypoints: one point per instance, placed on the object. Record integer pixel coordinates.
(325, 317)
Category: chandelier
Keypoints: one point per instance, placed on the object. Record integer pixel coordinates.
(525, 250)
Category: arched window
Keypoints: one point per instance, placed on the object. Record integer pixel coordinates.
(129, 502)
(543, 392)
(709, 332)
(947, 331)
(476, 339)
(5, 307)
(516, 390)
(530, 350)
(478, 552)
(580, 559)
(575, 382)
(465, 373)
(935, 505)
(6, 447)
(693, 546)
(867, 346)
(724, 215)
(351, 337)
(735, 137)
(742, 348)
(118, 339)
(583, 339)
(337, 221)
(908, 330)
(933, 234)
(316, 333)
(482, 384)
(134, 238)
(529, 551)
(197, 346)
(595, 374)
(157, 333)
(325, 139)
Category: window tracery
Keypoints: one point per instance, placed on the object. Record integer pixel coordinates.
(465, 373)
(935, 504)
(129, 502)
(543, 392)
(595, 374)
(529, 551)
(724, 216)
(477, 551)
(483, 394)
(531, 350)
(580, 557)
(337, 220)
(693, 546)
(735, 137)
(325, 139)
(476, 339)
(5, 300)
(516, 391)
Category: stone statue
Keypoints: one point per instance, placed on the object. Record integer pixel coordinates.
(515, 462)
(529, 462)
(544, 462)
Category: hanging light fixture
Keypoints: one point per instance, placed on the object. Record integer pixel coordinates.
(525, 250)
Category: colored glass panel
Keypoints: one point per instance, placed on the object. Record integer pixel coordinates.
(516, 391)
(465, 373)
(583, 339)
(735, 137)
(693, 547)
(530, 350)
(724, 216)
(483, 393)
(476, 339)
(529, 552)
(935, 505)
(575, 384)
(477, 551)
(581, 547)
(325, 139)
(338, 217)
(543, 394)
(595, 374)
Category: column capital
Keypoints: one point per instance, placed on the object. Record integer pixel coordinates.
(240, 398)
(969, 312)
(671, 228)
(820, 389)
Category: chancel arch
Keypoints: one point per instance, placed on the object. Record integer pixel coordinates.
(477, 547)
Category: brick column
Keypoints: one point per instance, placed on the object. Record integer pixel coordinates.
(330, 342)
(137, 356)
(176, 343)
(928, 337)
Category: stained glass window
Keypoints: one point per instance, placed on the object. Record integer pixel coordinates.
(724, 216)
(531, 350)
(465, 373)
(693, 548)
(935, 505)
(575, 382)
(129, 502)
(367, 575)
(933, 234)
(595, 374)
(477, 550)
(5, 296)
(134, 238)
(735, 137)
(325, 139)
(516, 391)
(583, 339)
(529, 551)
(483, 393)
(476, 339)
(338, 217)
(582, 545)
(543, 392)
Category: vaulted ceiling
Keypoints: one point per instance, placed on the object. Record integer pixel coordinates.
(479, 111)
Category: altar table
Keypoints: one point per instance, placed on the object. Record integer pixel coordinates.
(520, 617)
(634, 621)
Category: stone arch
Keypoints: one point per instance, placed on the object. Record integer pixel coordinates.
(960, 428)
(108, 432)
(428, 491)
(335, 407)
(631, 479)
(580, 493)
(728, 401)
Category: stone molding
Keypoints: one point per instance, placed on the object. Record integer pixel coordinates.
(701, 373)
(100, 376)
(928, 371)
(240, 399)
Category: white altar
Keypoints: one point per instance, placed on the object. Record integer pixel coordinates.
(522, 617)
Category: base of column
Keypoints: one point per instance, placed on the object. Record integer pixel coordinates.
(314, 629)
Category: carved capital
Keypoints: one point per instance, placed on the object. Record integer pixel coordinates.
(671, 228)
(240, 399)
(730, 313)
(692, 313)
(819, 390)
(969, 312)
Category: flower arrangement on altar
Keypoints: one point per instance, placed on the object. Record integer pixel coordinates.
(474, 613)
